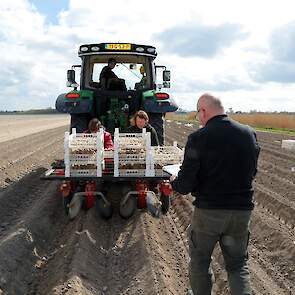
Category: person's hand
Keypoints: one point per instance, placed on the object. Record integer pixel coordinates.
(172, 177)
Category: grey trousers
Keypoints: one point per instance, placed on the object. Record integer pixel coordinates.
(231, 229)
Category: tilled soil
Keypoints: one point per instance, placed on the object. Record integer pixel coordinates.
(42, 252)
(272, 244)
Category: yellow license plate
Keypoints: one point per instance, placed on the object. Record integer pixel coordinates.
(118, 46)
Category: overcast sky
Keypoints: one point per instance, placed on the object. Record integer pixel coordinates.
(242, 51)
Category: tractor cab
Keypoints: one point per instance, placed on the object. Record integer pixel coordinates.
(134, 82)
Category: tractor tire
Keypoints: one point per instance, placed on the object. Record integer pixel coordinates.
(103, 209)
(157, 121)
(165, 204)
(127, 210)
(79, 122)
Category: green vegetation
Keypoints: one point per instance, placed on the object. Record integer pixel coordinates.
(276, 130)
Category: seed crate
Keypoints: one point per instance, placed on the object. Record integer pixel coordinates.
(84, 153)
(132, 154)
(165, 155)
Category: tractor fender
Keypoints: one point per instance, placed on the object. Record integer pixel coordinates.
(75, 106)
(151, 105)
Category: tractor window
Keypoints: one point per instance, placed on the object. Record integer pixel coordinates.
(134, 72)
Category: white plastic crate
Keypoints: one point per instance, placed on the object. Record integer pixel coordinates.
(130, 140)
(131, 172)
(288, 144)
(133, 149)
(84, 153)
(132, 155)
(83, 158)
(166, 155)
(133, 158)
(83, 172)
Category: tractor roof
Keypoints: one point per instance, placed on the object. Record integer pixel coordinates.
(117, 48)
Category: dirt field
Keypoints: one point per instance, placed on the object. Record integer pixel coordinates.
(41, 252)
(15, 126)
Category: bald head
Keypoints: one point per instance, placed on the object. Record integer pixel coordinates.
(208, 107)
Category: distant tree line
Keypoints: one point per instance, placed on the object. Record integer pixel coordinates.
(31, 112)
(231, 111)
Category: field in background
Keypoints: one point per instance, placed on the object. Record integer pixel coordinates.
(269, 121)
(272, 121)
(187, 117)
(15, 126)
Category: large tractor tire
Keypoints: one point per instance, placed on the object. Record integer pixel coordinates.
(157, 121)
(80, 122)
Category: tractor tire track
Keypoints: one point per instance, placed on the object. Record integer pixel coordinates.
(39, 153)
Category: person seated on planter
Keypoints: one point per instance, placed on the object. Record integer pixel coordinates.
(141, 120)
(94, 126)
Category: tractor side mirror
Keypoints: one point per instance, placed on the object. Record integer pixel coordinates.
(71, 76)
(71, 79)
(166, 75)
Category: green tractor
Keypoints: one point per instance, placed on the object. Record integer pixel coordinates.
(137, 84)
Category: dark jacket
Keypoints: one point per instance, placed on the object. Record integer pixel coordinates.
(106, 74)
(149, 128)
(219, 165)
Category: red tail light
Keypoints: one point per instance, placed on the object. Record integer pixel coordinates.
(162, 95)
(72, 95)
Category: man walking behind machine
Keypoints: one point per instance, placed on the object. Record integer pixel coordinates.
(219, 166)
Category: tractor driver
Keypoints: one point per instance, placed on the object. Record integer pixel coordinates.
(142, 83)
(107, 73)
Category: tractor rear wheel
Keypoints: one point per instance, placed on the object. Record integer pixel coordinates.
(157, 121)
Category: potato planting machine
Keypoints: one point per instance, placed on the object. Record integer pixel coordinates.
(127, 177)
